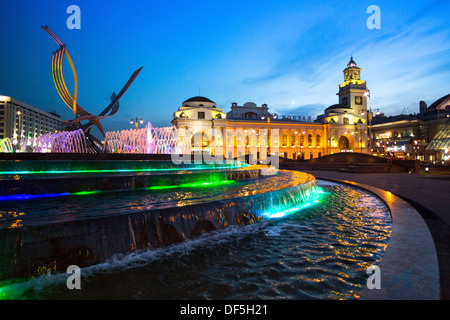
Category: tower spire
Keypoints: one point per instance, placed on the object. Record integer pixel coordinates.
(352, 73)
(352, 90)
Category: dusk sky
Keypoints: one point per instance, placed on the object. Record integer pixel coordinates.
(287, 54)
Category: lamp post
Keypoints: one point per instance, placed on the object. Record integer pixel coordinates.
(268, 135)
(136, 122)
(360, 139)
(367, 94)
(19, 114)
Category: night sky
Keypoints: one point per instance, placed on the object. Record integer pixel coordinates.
(288, 54)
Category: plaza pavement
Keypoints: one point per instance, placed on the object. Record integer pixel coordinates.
(427, 193)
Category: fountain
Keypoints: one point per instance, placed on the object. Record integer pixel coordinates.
(233, 194)
(74, 208)
(148, 140)
(87, 210)
(6, 146)
(63, 142)
(95, 213)
(103, 211)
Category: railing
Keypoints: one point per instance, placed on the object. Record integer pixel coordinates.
(272, 118)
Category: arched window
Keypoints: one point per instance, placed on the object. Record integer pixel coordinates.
(310, 139)
(284, 139)
(275, 142)
(229, 138)
(218, 140)
(250, 115)
(293, 138)
(239, 141)
(302, 139)
(200, 139)
(318, 143)
(344, 143)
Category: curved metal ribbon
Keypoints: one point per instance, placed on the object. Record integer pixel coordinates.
(80, 113)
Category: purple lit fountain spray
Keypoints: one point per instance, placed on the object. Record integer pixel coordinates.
(149, 140)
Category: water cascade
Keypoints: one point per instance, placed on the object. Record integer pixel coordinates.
(123, 206)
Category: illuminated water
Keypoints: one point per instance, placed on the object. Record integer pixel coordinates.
(64, 207)
(320, 252)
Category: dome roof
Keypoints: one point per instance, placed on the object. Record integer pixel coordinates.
(199, 99)
(352, 64)
(437, 103)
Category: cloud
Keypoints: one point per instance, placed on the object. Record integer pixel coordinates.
(402, 63)
(407, 67)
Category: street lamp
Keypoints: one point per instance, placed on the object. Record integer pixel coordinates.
(19, 114)
(367, 94)
(269, 136)
(136, 122)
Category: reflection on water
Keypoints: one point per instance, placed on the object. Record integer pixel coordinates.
(320, 252)
(82, 205)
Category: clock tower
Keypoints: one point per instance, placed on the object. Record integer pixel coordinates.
(352, 90)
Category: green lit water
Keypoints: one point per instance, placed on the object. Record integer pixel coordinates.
(320, 251)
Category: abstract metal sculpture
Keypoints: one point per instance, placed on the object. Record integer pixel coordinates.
(94, 144)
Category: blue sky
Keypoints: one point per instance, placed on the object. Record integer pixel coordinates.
(288, 54)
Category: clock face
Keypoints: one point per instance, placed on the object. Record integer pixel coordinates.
(358, 100)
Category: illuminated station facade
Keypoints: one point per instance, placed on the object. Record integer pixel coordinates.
(343, 127)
